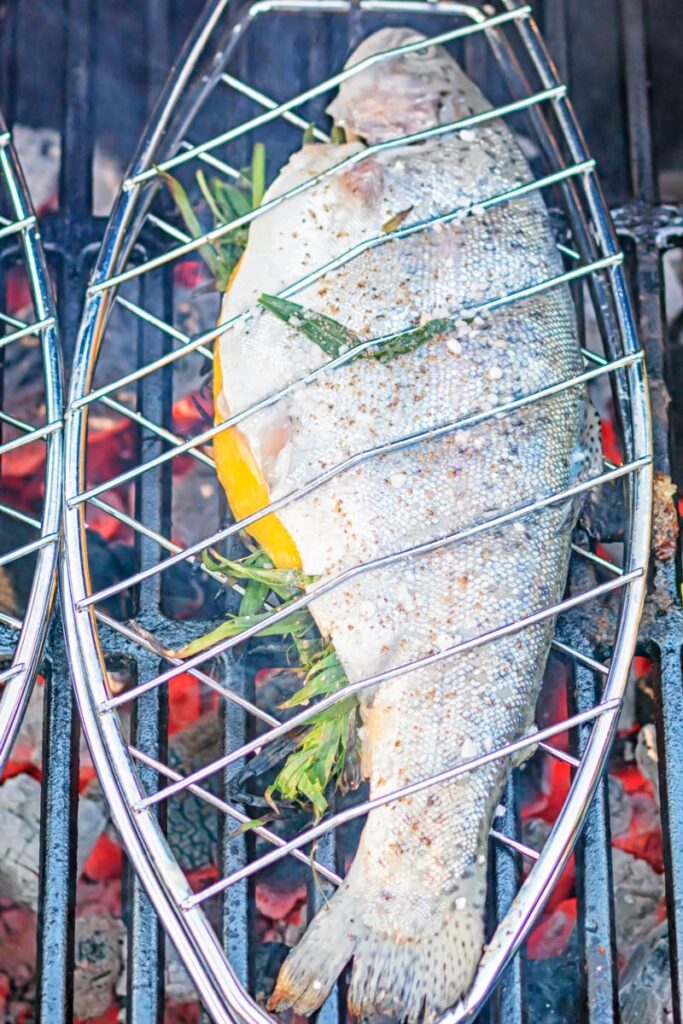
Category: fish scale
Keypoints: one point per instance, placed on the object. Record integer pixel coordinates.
(411, 909)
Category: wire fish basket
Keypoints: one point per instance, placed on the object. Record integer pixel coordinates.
(147, 331)
(31, 448)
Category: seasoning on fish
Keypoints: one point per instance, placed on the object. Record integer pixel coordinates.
(410, 912)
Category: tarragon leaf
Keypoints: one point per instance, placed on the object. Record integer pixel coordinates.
(295, 624)
(191, 221)
(254, 598)
(335, 338)
(309, 770)
(326, 676)
(247, 826)
(226, 202)
(261, 570)
(239, 201)
(408, 341)
(208, 191)
(258, 174)
(325, 332)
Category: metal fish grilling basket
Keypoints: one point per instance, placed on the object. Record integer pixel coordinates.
(30, 448)
(139, 393)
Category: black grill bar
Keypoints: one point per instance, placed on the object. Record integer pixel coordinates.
(511, 1002)
(146, 960)
(619, 72)
(149, 732)
(59, 807)
(57, 897)
(594, 879)
(651, 229)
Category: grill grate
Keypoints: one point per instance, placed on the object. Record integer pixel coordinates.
(168, 147)
(604, 75)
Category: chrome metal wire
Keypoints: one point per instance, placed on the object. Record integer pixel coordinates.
(22, 639)
(593, 264)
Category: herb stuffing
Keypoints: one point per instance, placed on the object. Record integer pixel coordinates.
(320, 755)
(225, 202)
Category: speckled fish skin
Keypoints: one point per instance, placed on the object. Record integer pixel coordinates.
(410, 911)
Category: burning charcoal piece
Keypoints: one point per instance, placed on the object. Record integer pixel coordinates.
(269, 958)
(110, 562)
(20, 837)
(646, 757)
(620, 811)
(98, 964)
(638, 897)
(553, 995)
(645, 992)
(193, 830)
(179, 987)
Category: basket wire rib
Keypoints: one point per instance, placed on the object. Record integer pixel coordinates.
(595, 263)
(22, 639)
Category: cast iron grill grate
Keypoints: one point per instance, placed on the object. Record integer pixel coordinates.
(607, 74)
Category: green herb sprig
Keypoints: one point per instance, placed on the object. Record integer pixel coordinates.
(226, 202)
(335, 338)
(329, 742)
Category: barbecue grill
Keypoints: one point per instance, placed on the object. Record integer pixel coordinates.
(31, 446)
(596, 63)
(131, 291)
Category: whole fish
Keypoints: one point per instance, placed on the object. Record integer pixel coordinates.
(410, 911)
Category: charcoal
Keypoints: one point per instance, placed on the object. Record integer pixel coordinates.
(179, 987)
(553, 996)
(269, 957)
(639, 892)
(535, 831)
(20, 837)
(646, 757)
(193, 830)
(645, 990)
(620, 811)
(98, 964)
(111, 561)
(39, 150)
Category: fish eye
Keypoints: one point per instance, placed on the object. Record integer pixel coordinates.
(428, 53)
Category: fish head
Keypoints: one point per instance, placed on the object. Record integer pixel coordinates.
(397, 95)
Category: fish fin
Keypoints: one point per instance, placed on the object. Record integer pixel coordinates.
(410, 977)
(587, 461)
(311, 969)
(592, 440)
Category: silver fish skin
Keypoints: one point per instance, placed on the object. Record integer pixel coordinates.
(411, 910)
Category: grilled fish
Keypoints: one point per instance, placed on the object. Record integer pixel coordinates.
(411, 909)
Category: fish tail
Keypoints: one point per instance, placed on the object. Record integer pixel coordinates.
(412, 976)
